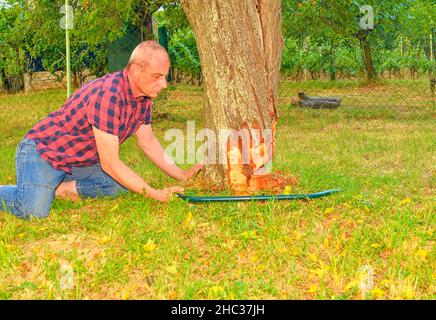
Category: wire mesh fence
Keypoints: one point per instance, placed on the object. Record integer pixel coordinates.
(408, 91)
(403, 86)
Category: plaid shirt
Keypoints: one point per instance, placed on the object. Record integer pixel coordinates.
(66, 139)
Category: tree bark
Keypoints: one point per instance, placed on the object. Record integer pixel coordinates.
(367, 55)
(148, 21)
(240, 45)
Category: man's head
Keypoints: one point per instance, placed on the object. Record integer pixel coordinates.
(147, 69)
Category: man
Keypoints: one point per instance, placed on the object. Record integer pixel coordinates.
(74, 152)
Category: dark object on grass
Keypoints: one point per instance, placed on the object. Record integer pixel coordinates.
(194, 199)
(319, 102)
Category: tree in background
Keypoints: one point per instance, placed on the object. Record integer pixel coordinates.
(182, 46)
(321, 37)
(31, 29)
(12, 42)
(338, 22)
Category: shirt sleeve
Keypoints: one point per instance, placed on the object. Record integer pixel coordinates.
(148, 114)
(103, 112)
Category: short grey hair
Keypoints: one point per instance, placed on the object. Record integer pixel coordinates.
(143, 53)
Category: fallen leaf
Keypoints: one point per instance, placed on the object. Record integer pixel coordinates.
(377, 293)
(104, 240)
(422, 254)
(313, 289)
(328, 210)
(149, 246)
(287, 190)
(405, 201)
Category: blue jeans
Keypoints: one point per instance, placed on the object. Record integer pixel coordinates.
(37, 181)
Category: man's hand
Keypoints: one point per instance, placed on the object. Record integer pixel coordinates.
(163, 195)
(188, 174)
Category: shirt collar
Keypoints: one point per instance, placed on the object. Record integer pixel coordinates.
(128, 89)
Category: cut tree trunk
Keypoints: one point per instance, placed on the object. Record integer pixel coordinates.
(240, 45)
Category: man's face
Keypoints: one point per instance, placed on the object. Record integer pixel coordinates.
(151, 79)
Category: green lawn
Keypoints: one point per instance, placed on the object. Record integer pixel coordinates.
(382, 156)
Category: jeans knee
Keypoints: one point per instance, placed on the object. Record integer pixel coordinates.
(36, 213)
(37, 207)
(37, 199)
(40, 214)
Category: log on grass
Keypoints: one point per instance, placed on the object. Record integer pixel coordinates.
(318, 102)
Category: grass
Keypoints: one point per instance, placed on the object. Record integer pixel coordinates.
(381, 154)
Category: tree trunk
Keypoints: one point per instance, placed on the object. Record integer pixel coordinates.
(367, 55)
(148, 21)
(240, 45)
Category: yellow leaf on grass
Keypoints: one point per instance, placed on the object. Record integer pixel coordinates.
(188, 218)
(313, 257)
(104, 240)
(313, 289)
(282, 250)
(317, 272)
(173, 295)
(422, 254)
(228, 245)
(172, 269)
(295, 252)
(350, 285)
(377, 293)
(405, 201)
(125, 295)
(298, 235)
(149, 246)
(328, 211)
(375, 245)
(386, 282)
(216, 291)
(324, 266)
(409, 293)
(287, 190)
(249, 234)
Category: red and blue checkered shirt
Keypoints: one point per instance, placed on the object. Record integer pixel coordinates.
(65, 138)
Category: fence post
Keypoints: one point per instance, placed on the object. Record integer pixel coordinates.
(431, 47)
(67, 46)
(163, 40)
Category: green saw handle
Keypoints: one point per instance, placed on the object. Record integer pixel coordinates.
(194, 199)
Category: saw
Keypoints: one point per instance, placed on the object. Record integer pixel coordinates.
(200, 199)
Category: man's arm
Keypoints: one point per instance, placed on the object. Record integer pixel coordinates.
(153, 149)
(108, 151)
